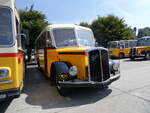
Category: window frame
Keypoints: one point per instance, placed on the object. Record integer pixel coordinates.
(54, 42)
(49, 37)
(77, 36)
(13, 27)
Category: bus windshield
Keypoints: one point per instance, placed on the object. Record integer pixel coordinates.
(85, 38)
(113, 45)
(68, 38)
(133, 43)
(143, 42)
(6, 34)
(122, 44)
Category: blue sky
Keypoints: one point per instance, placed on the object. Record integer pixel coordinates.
(136, 13)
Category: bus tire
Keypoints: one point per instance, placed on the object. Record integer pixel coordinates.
(62, 90)
(54, 81)
(52, 77)
(132, 58)
(147, 56)
(38, 63)
(121, 55)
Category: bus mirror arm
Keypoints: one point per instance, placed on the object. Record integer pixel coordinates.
(23, 38)
(50, 45)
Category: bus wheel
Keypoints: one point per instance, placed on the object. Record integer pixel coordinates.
(147, 56)
(54, 81)
(38, 63)
(61, 90)
(132, 58)
(121, 55)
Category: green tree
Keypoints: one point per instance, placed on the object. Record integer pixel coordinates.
(85, 24)
(111, 28)
(34, 21)
(144, 32)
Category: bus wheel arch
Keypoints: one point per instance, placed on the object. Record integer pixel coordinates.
(121, 55)
(55, 71)
(147, 55)
(132, 58)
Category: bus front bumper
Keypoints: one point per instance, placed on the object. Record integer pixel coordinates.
(82, 83)
(9, 94)
(137, 56)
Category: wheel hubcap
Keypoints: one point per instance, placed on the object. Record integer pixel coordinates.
(147, 56)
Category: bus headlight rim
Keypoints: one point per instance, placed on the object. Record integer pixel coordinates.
(73, 71)
(115, 66)
(4, 73)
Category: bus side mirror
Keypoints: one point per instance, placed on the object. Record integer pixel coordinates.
(49, 44)
(23, 40)
(96, 44)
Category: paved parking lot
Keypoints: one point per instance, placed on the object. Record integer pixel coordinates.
(130, 94)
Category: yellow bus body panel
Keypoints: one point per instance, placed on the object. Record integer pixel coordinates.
(116, 52)
(15, 74)
(140, 49)
(79, 60)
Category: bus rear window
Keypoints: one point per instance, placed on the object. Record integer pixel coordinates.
(6, 32)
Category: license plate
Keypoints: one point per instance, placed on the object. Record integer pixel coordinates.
(2, 96)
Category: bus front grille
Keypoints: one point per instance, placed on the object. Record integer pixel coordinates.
(105, 64)
(99, 65)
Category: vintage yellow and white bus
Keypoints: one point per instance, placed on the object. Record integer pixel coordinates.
(121, 49)
(11, 51)
(68, 55)
(142, 49)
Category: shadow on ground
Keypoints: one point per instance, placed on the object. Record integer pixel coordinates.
(136, 60)
(4, 106)
(40, 93)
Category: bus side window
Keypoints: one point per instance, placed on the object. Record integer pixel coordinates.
(40, 42)
(18, 32)
(17, 27)
(48, 40)
(44, 40)
(126, 45)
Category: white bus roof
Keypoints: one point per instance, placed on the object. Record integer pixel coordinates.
(11, 4)
(121, 41)
(53, 26)
(145, 37)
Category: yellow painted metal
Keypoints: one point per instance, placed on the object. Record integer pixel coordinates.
(140, 49)
(15, 74)
(78, 60)
(117, 52)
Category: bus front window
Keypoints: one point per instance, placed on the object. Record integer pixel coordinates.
(143, 42)
(6, 34)
(113, 45)
(85, 38)
(67, 38)
(64, 38)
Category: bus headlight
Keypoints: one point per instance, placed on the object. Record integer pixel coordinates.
(115, 66)
(73, 70)
(109, 52)
(4, 73)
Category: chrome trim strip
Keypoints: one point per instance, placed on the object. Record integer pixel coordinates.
(91, 82)
(88, 67)
(96, 48)
(102, 74)
(6, 82)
